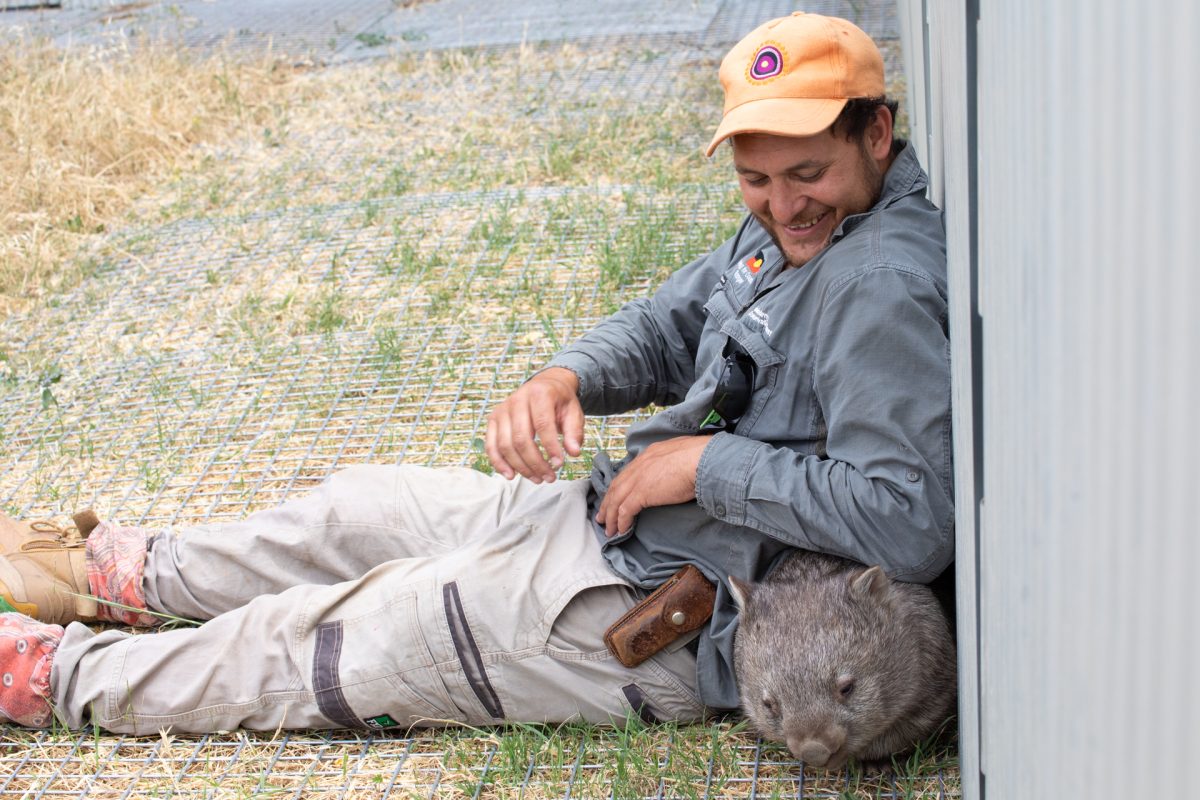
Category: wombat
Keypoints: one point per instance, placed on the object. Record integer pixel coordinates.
(838, 661)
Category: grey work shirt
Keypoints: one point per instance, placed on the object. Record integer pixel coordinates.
(845, 447)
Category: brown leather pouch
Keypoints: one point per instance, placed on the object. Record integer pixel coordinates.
(679, 606)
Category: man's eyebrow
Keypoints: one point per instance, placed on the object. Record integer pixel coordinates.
(801, 166)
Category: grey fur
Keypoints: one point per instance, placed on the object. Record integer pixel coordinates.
(818, 623)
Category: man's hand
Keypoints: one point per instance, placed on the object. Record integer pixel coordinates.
(663, 474)
(544, 408)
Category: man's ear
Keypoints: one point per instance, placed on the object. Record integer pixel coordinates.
(879, 133)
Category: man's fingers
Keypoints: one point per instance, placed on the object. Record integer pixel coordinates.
(627, 512)
(572, 427)
(497, 423)
(493, 455)
(523, 452)
(615, 509)
(531, 421)
(508, 445)
(546, 425)
(602, 514)
(662, 474)
(610, 515)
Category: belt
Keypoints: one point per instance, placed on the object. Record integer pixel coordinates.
(679, 606)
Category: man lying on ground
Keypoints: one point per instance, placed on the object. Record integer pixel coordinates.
(804, 370)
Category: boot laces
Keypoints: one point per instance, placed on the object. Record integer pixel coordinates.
(63, 537)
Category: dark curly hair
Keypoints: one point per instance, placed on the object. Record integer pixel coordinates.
(858, 114)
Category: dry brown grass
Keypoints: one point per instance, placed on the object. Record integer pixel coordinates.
(83, 132)
(426, 122)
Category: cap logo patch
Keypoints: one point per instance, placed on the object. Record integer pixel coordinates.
(767, 63)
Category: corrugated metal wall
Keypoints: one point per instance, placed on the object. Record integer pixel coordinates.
(1088, 624)
(938, 59)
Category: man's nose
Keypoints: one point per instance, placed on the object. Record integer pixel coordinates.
(786, 204)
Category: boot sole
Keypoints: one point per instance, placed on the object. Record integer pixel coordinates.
(12, 586)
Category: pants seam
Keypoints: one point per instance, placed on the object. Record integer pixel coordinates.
(162, 720)
(685, 693)
(112, 703)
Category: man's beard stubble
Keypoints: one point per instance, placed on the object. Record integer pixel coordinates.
(874, 178)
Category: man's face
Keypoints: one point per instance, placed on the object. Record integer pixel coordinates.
(801, 188)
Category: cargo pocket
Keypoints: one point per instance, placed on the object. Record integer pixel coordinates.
(576, 626)
(467, 650)
(511, 665)
(376, 670)
(606, 690)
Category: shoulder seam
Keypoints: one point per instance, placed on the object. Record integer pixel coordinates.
(907, 269)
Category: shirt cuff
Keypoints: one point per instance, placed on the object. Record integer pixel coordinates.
(722, 476)
(579, 364)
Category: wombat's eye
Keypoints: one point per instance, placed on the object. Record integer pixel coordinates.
(769, 706)
(845, 687)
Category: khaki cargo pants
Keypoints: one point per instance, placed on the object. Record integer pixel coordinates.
(389, 596)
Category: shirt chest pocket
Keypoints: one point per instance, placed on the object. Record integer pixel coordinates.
(739, 333)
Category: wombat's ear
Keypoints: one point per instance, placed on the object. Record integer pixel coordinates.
(871, 583)
(742, 592)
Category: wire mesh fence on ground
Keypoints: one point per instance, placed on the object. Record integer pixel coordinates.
(711, 762)
(360, 280)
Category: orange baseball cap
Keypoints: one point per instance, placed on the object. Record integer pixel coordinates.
(792, 76)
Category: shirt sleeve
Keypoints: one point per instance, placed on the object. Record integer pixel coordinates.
(646, 352)
(881, 492)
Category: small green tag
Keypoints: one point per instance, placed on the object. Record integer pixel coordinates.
(713, 418)
(5, 607)
(382, 721)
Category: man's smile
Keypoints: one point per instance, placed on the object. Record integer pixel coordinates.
(805, 225)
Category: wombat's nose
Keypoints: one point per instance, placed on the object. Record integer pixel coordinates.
(816, 751)
(810, 751)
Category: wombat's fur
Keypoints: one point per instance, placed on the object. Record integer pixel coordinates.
(839, 662)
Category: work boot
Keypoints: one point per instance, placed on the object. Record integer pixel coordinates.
(27, 650)
(43, 570)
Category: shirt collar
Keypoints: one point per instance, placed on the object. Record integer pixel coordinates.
(904, 177)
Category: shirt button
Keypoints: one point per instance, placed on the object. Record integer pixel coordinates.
(912, 476)
(720, 509)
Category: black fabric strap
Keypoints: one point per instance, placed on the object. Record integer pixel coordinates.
(637, 701)
(327, 682)
(468, 652)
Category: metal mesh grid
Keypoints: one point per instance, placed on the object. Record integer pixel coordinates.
(332, 30)
(156, 419)
(596, 764)
(25, 5)
(312, 315)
